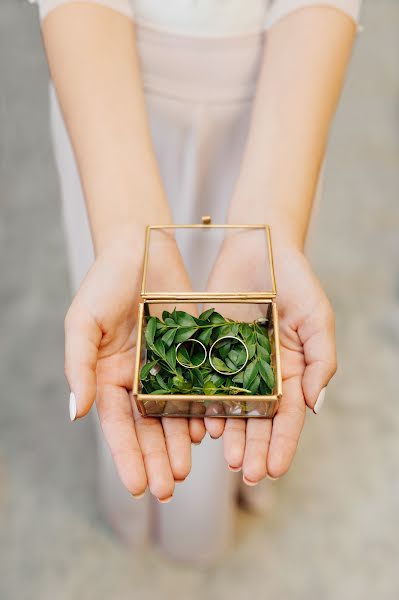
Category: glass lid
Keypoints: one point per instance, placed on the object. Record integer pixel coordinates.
(208, 261)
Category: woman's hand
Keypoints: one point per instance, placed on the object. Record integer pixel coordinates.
(99, 364)
(265, 447)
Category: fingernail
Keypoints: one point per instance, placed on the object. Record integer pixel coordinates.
(245, 480)
(72, 406)
(196, 443)
(319, 401)
(138, 496)
(272, 478)
(179, 481)
(165, 500)
(234, 469)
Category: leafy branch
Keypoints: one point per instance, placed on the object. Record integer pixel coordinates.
(162, 374)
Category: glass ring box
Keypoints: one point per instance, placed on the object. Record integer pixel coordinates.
(207, 327)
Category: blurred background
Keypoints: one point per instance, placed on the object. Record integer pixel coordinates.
(334, 529)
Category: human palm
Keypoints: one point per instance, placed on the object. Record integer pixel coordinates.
(267, 446)
(99, 359)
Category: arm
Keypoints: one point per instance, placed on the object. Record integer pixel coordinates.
(98, 84)
(305, 60)
(93, 62)
(304, 66)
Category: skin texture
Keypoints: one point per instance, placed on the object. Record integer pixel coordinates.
(97, 79)
(302, 75)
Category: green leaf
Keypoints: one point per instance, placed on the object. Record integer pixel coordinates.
(224, 348)
(264, 389)
(217, 379)
(225, 330)
(145, 371)
(230, 364)
(184, 333)
(168, 337)
(159, 348)
(220, 365)
(241, 355)
(204, 316)
(263, 342)
(245, 331)
(202, 323)
(228, 329)
(183, 356)
(251, 350)
(161, 382)
(150, 330)
(171, 358)
(184, 319)
(160, 392)
(165, 315)
(217, 318)
(262, 329)
(266, 373)
(198, 377)
(251, 371)
(181, 384)
(209, 388)
(234, 356)
(239, 378)
(197, 358)
(160, 325)
(170, 322)
(255, 385)
(205, 336)
(263, 354)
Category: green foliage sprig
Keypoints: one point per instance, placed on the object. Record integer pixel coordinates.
(163, 375)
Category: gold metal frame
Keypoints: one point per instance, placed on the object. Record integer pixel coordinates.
(198, 397)
(196, 297)
(207, 295)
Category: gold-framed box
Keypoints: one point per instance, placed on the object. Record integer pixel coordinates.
(204, 242)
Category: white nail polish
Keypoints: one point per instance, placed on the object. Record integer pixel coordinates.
(72, 406)
(319, 401)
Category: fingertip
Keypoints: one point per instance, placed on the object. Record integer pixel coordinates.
(234, 442)
(234, 454)
(82, 395)
(165, 500)
(138, 496)
(163, 491)
(277, 466)
(249, 482)
(214, 426)
(135, 482)
(181, 467)
(197, 430)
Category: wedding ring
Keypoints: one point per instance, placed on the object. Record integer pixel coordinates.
(231, 337)
(191, 366)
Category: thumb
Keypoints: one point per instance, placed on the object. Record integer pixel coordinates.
(82, 340)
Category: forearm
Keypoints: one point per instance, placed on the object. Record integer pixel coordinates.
(94, 65)
(303, 70)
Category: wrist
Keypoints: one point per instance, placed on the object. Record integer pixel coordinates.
(288, 225)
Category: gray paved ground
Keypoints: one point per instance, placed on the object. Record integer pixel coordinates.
(334, 533)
